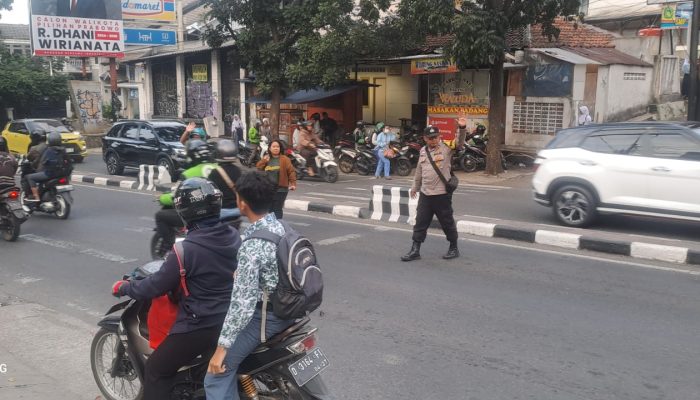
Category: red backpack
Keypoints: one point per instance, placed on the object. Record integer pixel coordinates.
(163, 312)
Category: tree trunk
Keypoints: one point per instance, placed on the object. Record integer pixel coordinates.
(497, 120)
(275, 111)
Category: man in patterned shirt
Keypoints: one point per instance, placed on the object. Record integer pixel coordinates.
(257, 271)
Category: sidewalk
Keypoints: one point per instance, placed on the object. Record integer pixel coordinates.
(43, 355)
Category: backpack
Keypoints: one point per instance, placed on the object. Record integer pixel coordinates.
(300, 287)
(56, 163)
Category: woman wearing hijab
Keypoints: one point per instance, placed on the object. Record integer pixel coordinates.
(584, 116)
(237, 128)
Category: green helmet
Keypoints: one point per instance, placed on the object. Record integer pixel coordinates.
(380, 126)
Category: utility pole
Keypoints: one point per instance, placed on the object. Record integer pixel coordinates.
(693, 114)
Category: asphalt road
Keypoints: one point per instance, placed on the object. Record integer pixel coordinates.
(505, 321)
(478, 198)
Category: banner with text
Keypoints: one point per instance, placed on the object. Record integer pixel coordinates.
(77, 28)
(152, 10)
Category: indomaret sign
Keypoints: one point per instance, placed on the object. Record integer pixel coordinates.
(77, 28)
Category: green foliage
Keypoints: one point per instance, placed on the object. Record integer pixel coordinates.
(6, 4)
(26, 81)
(299, 44)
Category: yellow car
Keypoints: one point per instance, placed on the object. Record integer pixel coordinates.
(16, 133)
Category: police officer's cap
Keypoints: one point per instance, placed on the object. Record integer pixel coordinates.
(431, 131)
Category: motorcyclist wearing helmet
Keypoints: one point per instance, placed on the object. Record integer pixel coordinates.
(8, 166)
(308, 141)
(167, 219)
(210, 259)
(379, 128)
(254, 140)
(36, 148)
(226, 174)
(193, 132)
(49, 164)
(359, 133)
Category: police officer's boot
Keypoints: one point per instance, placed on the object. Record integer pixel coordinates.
(413, 254)
(452, 252)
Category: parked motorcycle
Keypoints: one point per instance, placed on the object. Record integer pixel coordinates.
(245, 149)
(345, 155)
(287, 366)
(366, 162)
(473, 156)
(54, 194)
(11, 213)
(324, 165)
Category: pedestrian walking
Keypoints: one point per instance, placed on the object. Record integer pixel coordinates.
(384, 153)
(237, 129)
(432, 180)
(266, 130)
(282, 174)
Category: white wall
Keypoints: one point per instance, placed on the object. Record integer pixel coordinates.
(619, 96)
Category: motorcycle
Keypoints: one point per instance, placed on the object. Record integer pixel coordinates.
(366, 162)
(244, 151)
(345, 154)
(54, 194)
(287, 366)
(324, 164)
(473, 156)
(11, 213)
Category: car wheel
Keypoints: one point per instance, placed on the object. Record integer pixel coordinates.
(114, 167)
(574, 206)
(164, 162)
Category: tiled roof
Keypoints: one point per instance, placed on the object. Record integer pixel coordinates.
(571, 34)
(608, 56)
(14, 31)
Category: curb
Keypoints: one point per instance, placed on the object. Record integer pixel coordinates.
(640, 250)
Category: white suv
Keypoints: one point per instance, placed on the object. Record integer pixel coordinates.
(648, 168)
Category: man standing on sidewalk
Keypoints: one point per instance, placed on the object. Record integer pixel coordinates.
(434, 199)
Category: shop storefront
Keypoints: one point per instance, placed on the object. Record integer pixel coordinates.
(448, 92)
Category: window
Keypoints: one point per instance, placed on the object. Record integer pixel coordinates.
(537, 118)
(634, 76)
(114, 132)
(170, 133)
(675, 146)
(18, 127)
(49, 126)
(130, 131)
(146, 133)
(613, 144)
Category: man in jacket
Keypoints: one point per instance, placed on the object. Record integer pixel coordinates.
(209, 259)
(434, 199)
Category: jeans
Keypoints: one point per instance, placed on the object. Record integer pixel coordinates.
(36, 178)
(225, 386)
(382, 162)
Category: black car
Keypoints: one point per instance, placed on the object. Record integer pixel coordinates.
(132, 143)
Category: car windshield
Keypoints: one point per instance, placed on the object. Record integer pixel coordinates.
(48, 126)
(170, 133)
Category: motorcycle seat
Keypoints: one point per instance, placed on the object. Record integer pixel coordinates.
(282, 336)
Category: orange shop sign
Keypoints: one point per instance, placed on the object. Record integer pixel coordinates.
(456, 110)
(433, 66)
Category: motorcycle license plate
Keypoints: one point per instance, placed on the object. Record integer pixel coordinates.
(69, 149)
(64, 188)
(307, 367)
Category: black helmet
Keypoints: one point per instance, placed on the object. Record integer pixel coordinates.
(480, 129)
(37, 136)
(360, 124)
(226, 151)
(198, 151)
(3, 144)
(54, 139)
(197, 199)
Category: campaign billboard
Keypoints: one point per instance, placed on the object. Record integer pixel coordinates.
(151, 10)
(77, 28)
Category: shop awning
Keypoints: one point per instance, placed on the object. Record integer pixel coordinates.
(306, 96)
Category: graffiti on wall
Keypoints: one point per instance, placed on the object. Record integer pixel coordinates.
(89, 105)
(165, 95)
(200, 100)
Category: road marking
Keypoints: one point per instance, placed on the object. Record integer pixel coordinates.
(149, 219)
(339, 239)
(361, 189)
(311, 197)
(340, 196)
(514, 246)
(75, 246)
(23, 279)
(111, 190)
(299, 223)
(477, 216)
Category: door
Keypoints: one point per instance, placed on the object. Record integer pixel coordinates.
(18, 140)
(674, 172)
(148, 146)
(130, 144)
(616, 169)
(379, 100)
(591, 89)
